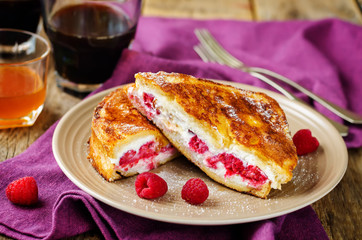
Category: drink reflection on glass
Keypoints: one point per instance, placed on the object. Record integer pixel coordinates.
(20, 14)
(88, 38)
(23, 77)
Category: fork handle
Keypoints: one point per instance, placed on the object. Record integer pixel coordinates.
(343, 113)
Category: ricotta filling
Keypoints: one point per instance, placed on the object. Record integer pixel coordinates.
(237, 166)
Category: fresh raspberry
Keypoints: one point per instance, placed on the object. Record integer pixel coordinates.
(195, 191)
(149, 185)
(305, 142)
(23, 191)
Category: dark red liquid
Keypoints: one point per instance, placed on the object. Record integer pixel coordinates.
(88, 40)
(23, 14)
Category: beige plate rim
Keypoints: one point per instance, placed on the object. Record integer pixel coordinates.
(319, 172)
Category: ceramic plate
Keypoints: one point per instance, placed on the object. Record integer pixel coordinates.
(315, 176)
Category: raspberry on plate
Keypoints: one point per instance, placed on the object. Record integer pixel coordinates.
(149, 185)
(195, 191)
(305, 142)
(23, 191)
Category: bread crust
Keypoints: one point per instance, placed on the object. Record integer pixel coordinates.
(247, 120)
(116, 123)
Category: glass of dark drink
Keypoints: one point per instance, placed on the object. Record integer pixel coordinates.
(20, 14)
(88, 38)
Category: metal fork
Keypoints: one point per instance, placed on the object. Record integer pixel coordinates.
(206, 56)
(223, 57)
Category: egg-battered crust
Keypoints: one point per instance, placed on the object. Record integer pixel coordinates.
(115, 119)
(251, 120)
(115, 123)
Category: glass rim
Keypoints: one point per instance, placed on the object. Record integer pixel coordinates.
(37, 36)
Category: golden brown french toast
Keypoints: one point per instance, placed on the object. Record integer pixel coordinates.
(239, 138)
(123, 142)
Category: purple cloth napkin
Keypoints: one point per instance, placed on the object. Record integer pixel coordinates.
(321, 55)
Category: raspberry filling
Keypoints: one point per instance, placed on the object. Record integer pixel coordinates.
(149, 102)
(233, 166)
(197, 145)
(146, 153)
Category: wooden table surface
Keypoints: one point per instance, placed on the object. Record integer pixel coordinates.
(341, 210)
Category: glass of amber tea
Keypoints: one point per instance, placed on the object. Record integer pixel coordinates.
(23, 77)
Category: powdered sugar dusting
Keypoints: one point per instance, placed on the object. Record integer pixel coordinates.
(265, 109)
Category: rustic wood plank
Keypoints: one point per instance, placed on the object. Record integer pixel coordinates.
(266, 10)
(340, 212)
(200, 9)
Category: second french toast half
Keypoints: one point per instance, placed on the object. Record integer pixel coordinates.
(123, 142)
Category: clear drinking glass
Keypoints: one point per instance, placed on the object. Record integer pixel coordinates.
(88, 38)
(23, 77)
